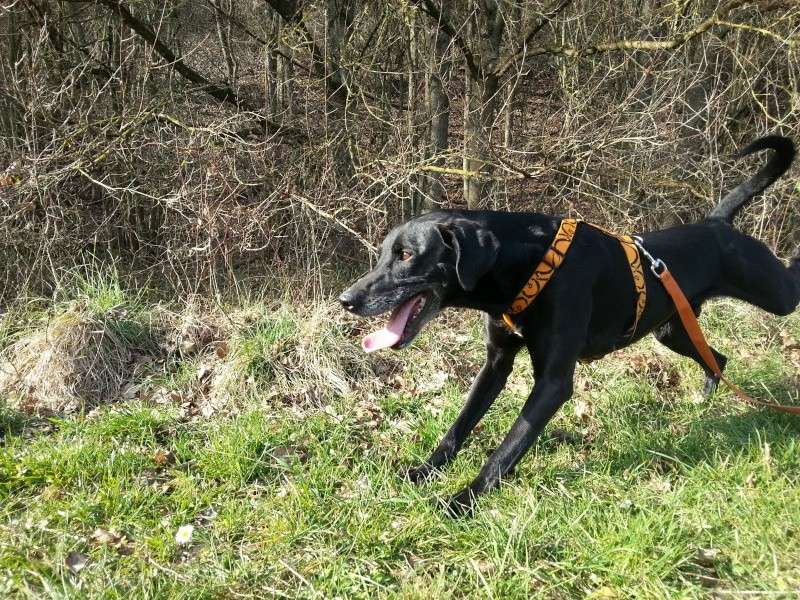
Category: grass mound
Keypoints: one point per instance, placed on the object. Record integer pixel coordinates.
(299, 354)
(104, 345)
(75, 359)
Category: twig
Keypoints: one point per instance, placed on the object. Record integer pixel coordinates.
(668, 44)
(506, 63)
(220, 92)
(430, 8)
(307, 203)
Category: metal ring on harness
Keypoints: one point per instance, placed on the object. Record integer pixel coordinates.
(657, 266)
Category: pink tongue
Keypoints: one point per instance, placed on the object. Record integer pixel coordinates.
(390, 335)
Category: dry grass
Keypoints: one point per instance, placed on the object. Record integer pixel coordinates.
(105, 347)
(73, 361)
(299, 355)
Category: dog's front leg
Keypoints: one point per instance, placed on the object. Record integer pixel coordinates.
(485, 389)
(549, 393)
(501, 348)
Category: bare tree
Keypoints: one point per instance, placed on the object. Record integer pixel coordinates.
(439, 104)
(207, 142)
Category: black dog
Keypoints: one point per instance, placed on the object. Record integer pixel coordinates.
(481, 260)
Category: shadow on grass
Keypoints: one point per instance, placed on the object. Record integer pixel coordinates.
(729, 434)
(667, 442)
(14, 423)
(721, 431)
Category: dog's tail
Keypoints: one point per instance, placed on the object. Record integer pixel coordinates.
(775, 167)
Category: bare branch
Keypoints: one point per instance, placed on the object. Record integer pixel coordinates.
(667, 44)
(291, 11)
(429, 7)
(238, 23)
(506, 62)
(222, 93)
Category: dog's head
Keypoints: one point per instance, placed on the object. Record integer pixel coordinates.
(423, 263)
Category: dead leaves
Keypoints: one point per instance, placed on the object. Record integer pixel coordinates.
(197, 398)
(355, 488)
(584, 410)
(163, 458)
(706, 567)
(435, 382)
(192, 335)
(204, 372)
(588, 423)
(658, 372)
(430, 383)
(8, 180)
(288, 455)
(791, 349)
(112, 539)
(117, 542)
(659, 485)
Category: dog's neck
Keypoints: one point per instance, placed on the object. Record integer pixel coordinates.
(516, 261)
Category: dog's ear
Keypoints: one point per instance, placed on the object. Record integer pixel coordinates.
(476, 250)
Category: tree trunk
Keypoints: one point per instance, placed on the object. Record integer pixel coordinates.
(271, 75)
(508, 116)
(482, 107)
(339, 19)
(285, 75)
(508, 121)
(223, 24)
(411, 204)
(480, 120)
(10, 113)
(439, 109)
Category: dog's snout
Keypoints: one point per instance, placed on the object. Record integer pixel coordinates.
(359, 297)
(348, 300)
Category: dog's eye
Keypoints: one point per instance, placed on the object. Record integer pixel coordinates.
(405, 255)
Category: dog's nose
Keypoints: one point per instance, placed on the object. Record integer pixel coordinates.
(347, 300)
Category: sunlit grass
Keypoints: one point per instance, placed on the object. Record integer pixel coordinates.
(652, 491)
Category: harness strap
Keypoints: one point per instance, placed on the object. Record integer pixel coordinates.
(555, 256)
(637, 273)
(547, 266)
(692, 328)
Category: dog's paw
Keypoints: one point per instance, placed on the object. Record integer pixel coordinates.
(461, 505)
(711, 383)
(417, 475)
(710, 386)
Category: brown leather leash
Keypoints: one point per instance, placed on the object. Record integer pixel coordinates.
(692, 327)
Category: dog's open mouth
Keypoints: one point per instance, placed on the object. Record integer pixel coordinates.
(404, 324)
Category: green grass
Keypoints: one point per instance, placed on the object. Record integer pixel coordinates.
(656, 493)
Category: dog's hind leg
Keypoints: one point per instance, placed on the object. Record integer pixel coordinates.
(754, 274)
(674, 336)
(501, 348)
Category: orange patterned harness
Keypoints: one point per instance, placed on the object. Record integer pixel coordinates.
(555, 256)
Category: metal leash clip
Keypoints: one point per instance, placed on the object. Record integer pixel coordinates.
(657, 266)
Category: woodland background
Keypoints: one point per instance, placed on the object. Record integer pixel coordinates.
(185, 187)
(204, 144)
